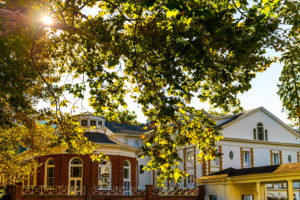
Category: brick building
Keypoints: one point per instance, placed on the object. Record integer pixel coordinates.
(74, 171)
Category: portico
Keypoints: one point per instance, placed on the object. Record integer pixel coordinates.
(252, 183)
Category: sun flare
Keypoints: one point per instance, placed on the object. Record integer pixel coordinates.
(47, 20)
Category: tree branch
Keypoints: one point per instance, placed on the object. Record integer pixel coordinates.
(19, 17)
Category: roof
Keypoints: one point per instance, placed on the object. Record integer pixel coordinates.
(125, 128)
(99, 138)
(228, 119)
(232, 172)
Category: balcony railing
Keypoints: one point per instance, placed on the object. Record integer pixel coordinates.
(119, 191)
(169, 191)
(54, 190)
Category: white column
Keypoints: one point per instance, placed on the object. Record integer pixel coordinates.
(290, 192)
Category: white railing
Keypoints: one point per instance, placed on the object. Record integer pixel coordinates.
(176, 191)
(119, 191)
(55, 190)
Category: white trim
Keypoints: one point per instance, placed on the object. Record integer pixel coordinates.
(76, 178)
(269, 143)
(110, 173)
(45, 172)
(129, 176)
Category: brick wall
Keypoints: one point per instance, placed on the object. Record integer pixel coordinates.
(90, 169)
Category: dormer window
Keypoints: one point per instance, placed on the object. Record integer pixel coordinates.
(92, 122)
(84, 122)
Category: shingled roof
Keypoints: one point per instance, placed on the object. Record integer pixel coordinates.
(231, 172)
(98, 138)
(125, 128)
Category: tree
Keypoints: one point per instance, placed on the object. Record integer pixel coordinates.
(126, 117)
(289, 87)
(160, 52)
(221, 112)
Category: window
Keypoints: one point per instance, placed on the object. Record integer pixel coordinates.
(212, 197)
(100, 124)
(141, 169)
(126, 178)
(136, 144)
(266, 134)
(126, 141)
(190, 179)
(216, 161)
(289, 158)
(104, 175)
(84, 122)
(277, 185)
(75, 176)
(260, 131)
(248, 197)
(49, 168)
(92, 122)
(190, 156)
(254, 133)
(246, 158)
(231, 155)
(276, 160)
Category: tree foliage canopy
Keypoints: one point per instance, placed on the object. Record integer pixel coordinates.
(162, 53)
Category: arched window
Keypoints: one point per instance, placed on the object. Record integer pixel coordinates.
(126, 180)
(49, 172)
(75, 176)
(104, 175)
(260, 131)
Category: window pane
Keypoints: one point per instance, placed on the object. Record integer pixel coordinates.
(50, 162)
(93, 123)
(50, 172)
(76, 171)
(84, 122)
(76, 161)
(126, 164)
(126, 173)
(72, 183)
(104, 177)
(50, 181)
(141, 169)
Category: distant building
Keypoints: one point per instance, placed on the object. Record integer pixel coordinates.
(254, 138)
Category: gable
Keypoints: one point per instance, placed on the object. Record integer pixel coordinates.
(243, 127)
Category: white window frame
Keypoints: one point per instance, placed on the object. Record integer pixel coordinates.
(46, 171)
(276, 155)
(246, 163)
(108, 164)
(128, 180)
(74, 191)
(258, 126)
